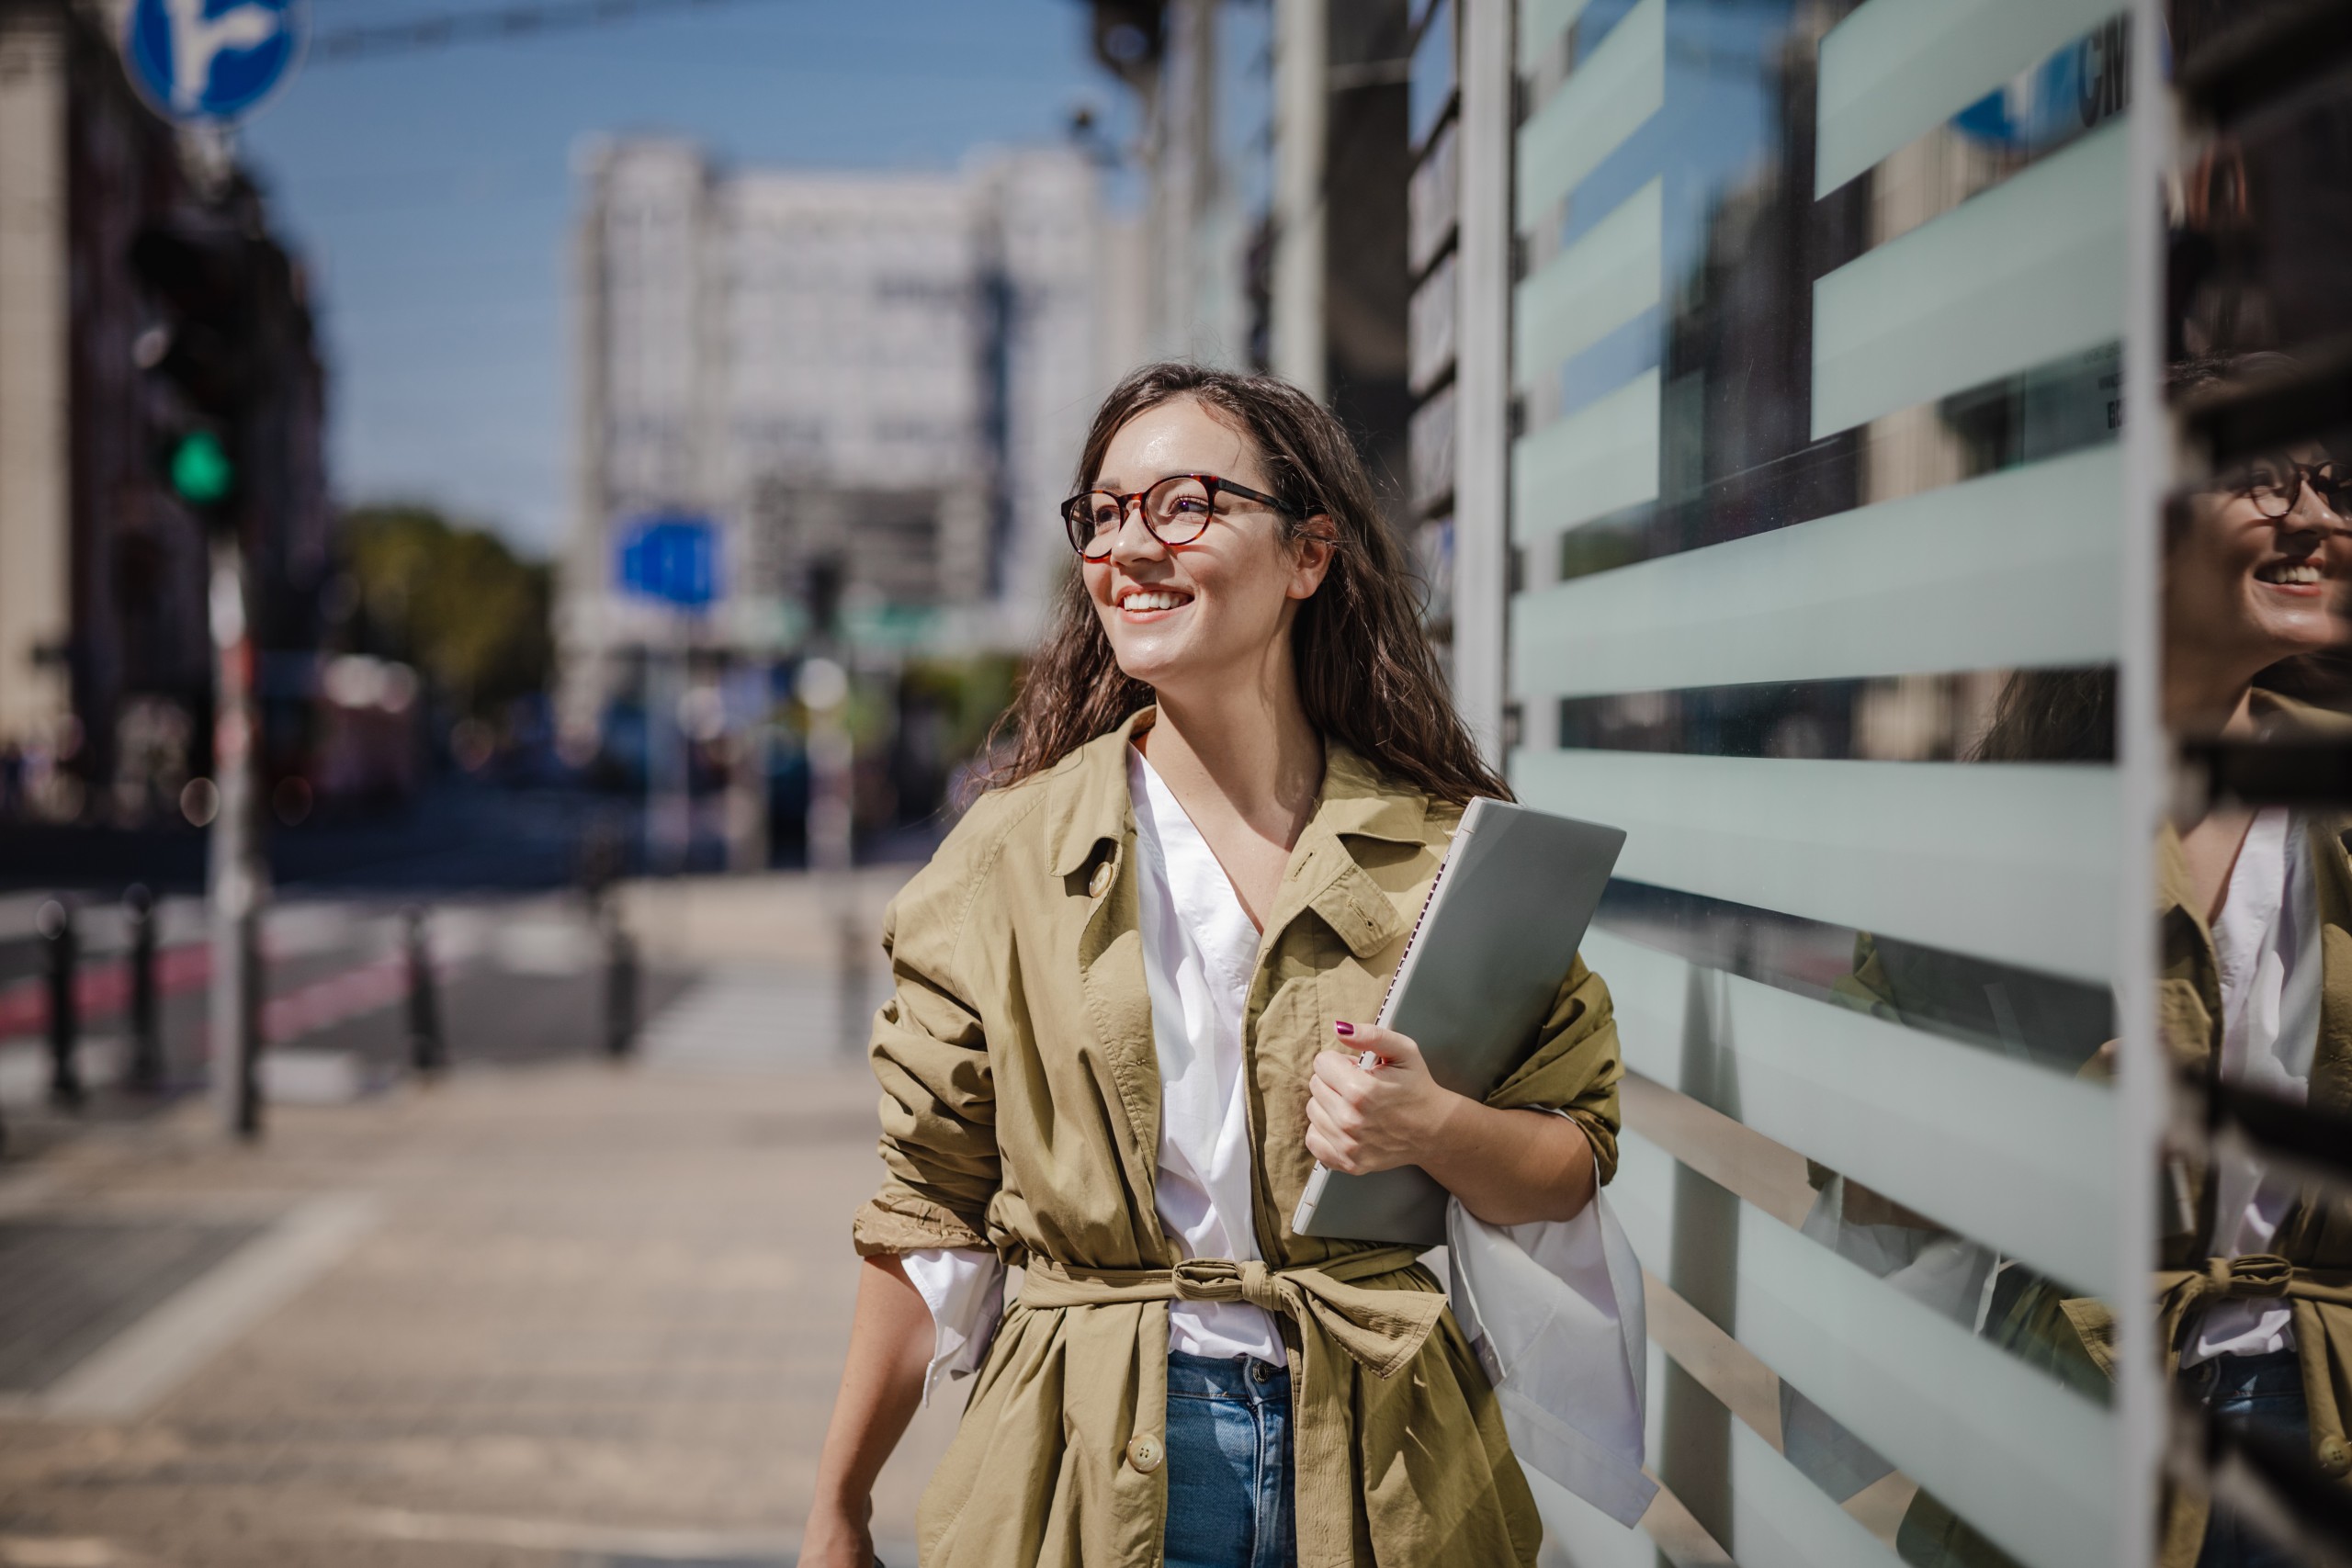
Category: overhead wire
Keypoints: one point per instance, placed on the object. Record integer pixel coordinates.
(446, 30)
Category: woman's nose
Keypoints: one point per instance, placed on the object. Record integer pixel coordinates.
(1134, 540)
(2313, 514)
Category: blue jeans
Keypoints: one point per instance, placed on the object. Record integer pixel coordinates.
(1228, 1463)
(2264, 1392)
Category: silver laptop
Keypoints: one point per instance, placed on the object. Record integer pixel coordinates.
(1480, 973)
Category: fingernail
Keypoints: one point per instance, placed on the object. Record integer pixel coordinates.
(1343, 1029)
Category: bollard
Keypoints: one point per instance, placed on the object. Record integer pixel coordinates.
(620, 991)
(428, 1053)
(55, 923)
(146, 1023)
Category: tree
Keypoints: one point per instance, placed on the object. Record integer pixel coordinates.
(453, 601)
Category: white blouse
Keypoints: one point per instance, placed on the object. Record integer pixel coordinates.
(1200, 948)
(2266, 940)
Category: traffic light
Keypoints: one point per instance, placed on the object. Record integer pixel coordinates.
(198, 273)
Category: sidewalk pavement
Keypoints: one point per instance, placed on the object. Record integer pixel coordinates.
(543, 1314)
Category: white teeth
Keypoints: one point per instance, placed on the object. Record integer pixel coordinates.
(1150, 601)
(2291, 573)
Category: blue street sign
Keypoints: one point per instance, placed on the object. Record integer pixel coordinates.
(210, 60)
(672, 556)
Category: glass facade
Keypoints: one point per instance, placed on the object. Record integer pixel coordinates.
(1926, 498)
(1816, 497)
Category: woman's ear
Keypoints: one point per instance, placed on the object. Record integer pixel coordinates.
(1311, 550)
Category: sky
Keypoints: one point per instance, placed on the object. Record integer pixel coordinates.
(431, 195)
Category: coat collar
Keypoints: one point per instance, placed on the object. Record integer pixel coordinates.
(1087, 803)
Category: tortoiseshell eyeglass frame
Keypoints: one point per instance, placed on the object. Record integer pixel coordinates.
(1078, 524)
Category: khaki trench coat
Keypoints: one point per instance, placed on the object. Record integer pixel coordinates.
(1021, 1112)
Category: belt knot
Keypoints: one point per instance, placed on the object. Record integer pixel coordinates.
(1224, 1279)
(2256, 1275)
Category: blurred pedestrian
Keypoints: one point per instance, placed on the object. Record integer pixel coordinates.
(1110, 1059)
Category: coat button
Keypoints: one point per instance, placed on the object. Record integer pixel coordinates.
(1143, 1452)
(1100, 883)
(2333, 1458)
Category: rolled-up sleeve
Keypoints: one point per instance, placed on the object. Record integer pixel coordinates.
(938, 1104)
(1575, 1068)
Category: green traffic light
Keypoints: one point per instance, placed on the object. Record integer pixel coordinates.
(201, 472)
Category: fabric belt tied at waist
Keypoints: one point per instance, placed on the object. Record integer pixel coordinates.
(2264, 1276)
(2257, 1276)
(1381, 1330)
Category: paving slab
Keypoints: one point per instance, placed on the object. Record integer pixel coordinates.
(596, 1319)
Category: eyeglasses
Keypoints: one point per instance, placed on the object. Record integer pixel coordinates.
(2275, 484)
(1176, 511)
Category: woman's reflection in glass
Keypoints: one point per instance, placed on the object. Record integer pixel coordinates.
(2254, 620)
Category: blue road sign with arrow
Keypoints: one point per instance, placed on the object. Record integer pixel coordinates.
(210, 60)
(672, 556)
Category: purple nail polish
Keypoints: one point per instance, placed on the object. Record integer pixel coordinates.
(1343, 1029)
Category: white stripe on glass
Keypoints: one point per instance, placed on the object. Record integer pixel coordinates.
(2019, 1456)
(1605, 101)
(2024, 273)
(2014, 861)
(1540, 23)
(1609, 276)
(1983, 575)
(1595, 461)
(1780, 1520)
(2002, 1151)
(1896, 68)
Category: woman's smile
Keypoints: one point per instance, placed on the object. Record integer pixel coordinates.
(2297, 576)
(1144, 604)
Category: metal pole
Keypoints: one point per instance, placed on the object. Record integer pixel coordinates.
(669, 783)
(146, 1025)
(824, 692)
(428, 1051)
(237, 876)
(61, 952)
(620, 987)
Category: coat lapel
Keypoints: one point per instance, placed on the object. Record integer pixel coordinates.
(1093, 840)
(1325, 876)
(2331, 1079)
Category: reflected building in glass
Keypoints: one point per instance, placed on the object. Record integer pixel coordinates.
(1885, 455)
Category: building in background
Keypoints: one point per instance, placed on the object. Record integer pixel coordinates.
(872, 384)
(105, 662)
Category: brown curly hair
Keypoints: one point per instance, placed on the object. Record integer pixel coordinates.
(1367, 675)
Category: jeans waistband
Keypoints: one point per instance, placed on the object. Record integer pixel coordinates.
(2274, 1371)
(1227, 1377)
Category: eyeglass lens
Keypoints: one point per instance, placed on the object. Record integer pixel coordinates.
(2276, 484)
(1177, 510)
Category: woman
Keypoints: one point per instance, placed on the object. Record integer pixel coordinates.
(1131, 990)
(2255, 917)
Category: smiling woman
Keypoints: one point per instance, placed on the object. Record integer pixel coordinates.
(1111, 1059)
(1365, 673)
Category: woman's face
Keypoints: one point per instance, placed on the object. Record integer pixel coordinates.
(1195, 617)
(2243, 591)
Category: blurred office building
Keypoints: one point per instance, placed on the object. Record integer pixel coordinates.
(106, 661)
(870, 386)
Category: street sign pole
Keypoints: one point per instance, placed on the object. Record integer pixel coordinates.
(671, 558)
(239, 875)
(669, 804)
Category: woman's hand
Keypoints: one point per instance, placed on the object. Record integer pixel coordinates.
(1507, 1167)
(1361, 1120)
(832, 1538)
